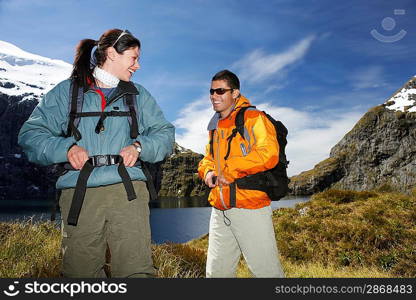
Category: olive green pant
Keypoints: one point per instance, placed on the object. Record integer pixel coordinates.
(107, 217)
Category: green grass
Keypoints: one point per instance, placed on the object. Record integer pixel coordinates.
(29, 250)
(336, 234)
(375, 231)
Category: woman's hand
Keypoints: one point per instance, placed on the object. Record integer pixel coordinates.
(129, 155)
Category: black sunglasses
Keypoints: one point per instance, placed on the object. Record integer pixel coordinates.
(219, 91)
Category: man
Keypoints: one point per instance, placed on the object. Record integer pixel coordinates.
(115, 123)
(240, 219)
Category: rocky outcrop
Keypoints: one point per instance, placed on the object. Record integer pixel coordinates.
(379, 152)
(13, 112)
(180, 177)
(19, 179)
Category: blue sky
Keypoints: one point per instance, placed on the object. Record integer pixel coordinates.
(313, 64)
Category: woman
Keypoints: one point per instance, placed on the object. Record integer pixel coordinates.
(108, 124)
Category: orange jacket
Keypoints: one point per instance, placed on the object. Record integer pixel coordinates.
(257, 153)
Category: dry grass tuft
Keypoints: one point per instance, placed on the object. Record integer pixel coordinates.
(179, 261)
(351, 229)
(29, 249)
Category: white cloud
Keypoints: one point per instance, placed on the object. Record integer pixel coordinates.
(257, 66)
(368, 77)
(311, 134)
(192, 122)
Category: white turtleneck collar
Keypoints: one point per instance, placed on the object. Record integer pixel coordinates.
(105, 77)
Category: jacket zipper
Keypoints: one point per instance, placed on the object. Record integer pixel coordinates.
(219, 168)
(103, 137)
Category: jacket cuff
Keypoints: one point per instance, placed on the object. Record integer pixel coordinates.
(146, 152)
(206, 172)
(70, 147)
(67, 143)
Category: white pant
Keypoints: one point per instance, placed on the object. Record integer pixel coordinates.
(249, 231)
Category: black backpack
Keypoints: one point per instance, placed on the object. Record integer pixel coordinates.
(152, 171)
(274, 182)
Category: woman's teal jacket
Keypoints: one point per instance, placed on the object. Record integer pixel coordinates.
(42, 136)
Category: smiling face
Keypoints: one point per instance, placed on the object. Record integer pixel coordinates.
(122, 65)
(223, 103)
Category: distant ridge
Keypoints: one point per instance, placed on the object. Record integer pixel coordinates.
(379, 152)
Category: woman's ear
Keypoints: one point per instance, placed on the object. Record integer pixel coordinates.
(111, 53)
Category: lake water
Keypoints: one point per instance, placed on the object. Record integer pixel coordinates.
(171, 220)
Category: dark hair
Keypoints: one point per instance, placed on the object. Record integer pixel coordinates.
(83, 65)
(231, 79)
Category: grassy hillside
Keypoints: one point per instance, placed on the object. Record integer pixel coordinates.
(336, 234)
(351, 229)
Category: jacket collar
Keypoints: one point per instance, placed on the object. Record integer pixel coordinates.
(241, 102)
(123, 87)
(127, 87)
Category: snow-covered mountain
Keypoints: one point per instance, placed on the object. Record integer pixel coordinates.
(404, 99)
(28, 75)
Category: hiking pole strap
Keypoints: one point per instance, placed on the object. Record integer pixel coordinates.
(79, 194)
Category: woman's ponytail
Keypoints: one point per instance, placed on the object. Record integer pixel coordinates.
(82, 68)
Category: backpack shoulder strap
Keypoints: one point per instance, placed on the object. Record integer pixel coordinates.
(76, 100)
(239, 120)
(239, 127)
(131, 104)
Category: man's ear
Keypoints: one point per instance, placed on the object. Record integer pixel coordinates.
(236, 93)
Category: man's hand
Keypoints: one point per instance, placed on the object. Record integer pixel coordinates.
(77, 156)
(209, 180)
(222, 181)
(129, 155)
